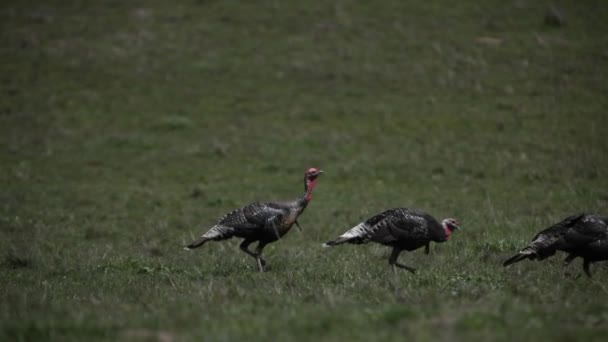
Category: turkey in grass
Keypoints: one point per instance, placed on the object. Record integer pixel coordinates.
(582, 235)
(264, 222)
(403, 229)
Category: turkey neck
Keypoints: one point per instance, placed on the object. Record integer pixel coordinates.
(309, 184)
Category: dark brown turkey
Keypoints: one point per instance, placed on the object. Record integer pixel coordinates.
(582, 235)
(262, 222)
(402, 229)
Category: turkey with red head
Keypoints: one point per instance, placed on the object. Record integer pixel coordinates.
(262, 222)
(403, 229)
(582, 235)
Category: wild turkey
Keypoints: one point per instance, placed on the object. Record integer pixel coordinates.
(400, 228)
(263, 222)
(582, 235)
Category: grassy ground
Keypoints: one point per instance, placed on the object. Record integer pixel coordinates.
(128, 128)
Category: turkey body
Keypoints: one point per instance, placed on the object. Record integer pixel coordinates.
(403, 229)
(265, 222)
(261, 222)
(583, 235)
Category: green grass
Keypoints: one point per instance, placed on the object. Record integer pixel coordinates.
(128, 128)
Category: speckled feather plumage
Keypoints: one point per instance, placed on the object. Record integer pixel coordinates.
(408, 228)
(264, 218)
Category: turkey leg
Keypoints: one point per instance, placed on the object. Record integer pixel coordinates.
(260, 259)
(586, 267)
(392, 260)
(257, 255)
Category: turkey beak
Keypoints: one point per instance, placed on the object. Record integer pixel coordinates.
(319, 172)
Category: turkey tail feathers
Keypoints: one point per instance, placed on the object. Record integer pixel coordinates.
(197, 243)
(336, 242)
(357, 234)
(516, 258)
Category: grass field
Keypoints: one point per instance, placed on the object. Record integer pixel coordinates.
(128, 127)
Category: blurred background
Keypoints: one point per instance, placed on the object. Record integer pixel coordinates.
(128, 127)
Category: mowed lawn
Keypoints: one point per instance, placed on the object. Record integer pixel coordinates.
(128, 127)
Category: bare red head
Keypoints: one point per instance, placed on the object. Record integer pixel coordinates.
(310, 180)
(449, 225)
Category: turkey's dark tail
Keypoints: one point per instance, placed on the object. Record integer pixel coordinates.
(197, 243)
(516, 258)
